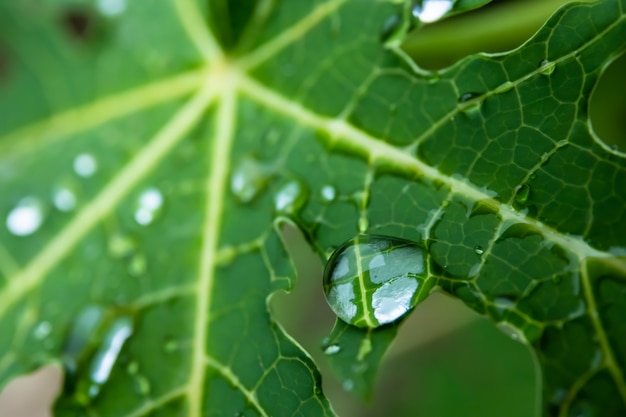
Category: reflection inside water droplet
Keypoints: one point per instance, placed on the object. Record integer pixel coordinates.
(374, 280)
(26, 218)
(429, 11)
(478, 250)
(85, 165)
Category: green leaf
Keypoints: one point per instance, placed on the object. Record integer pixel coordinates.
(148, 158)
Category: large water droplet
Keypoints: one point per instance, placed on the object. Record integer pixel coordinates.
(521, 196)
(64, 199)
(249, 178)
(374, 280)
(429, 11)
(290, 197)
(149, 206)
(26, 218)
(85, 165)
(107, 354)
(546, 67)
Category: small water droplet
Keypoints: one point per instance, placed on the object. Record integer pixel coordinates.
(504, 87)
(329, 193)
(513, 332)
(395, 29)
(546, 67)
(429, 11)
(332, 349)
(374, 280)
(85, 165)
(533, 176)
(111, 7)
(290, 197)
(521, 196)
(26, 218)
(363, 224)
(149, 206)
(42, 330)
(478, 250)
(470, 103)
(249, 179)
(64, 199)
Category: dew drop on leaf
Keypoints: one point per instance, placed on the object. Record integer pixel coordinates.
(249, 179)
(521, 196)
(106, 356)
(546, 67)
(291, 197)
(513, 332)
(85, 165)
(391, 28)
(329, 193)
(469, 104)
(83, 330)
(26, 217)
(149, 206)
(478, 250)
(332, 349)
(64, 199)
(429, 11)
(42, 330)
(373, 280)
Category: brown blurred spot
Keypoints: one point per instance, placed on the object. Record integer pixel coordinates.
(33, 394)
(79, 23)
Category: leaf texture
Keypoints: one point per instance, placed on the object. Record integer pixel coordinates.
(180, 147)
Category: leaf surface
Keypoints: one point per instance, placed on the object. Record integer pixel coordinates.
(182, 157)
